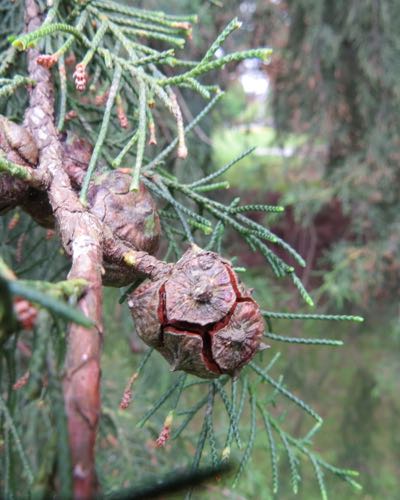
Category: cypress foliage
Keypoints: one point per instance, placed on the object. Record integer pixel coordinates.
(119, 93)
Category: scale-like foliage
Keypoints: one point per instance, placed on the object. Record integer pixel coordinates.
(114, 84)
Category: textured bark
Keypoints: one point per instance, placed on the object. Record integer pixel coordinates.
(81, 235)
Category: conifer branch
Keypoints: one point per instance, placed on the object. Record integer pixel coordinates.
(138, 83)
(82, 240)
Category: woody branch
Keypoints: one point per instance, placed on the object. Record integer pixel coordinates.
(86, 240)
(80, 233)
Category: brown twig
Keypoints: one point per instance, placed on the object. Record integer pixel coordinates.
(81, 237)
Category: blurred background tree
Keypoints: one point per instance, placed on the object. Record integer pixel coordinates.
(336, 82)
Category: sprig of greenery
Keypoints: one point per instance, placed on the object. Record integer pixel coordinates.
(107, 38)
(8, 86)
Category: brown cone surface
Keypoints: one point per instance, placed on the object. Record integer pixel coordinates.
(233, 345)
(199, 291)
(184, 351)
(199, 317)
(132, 216)
(144, 304)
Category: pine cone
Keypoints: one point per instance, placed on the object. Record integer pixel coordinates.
(199, 317)
(131, 216)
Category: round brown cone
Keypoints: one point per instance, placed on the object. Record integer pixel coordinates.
(199, 317)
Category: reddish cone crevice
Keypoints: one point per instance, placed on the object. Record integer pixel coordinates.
(206, 332)
(234, 282)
